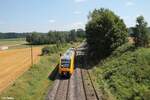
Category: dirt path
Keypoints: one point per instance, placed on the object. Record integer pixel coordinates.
(15, 62)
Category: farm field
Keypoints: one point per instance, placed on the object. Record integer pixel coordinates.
(35, 82)
(15, 62)
(12, 42)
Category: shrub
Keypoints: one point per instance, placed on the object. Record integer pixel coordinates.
(47, 50)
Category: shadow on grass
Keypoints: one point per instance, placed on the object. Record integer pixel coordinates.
(53, 74)
(88, 61)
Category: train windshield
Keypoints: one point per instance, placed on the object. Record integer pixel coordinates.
(65, 63)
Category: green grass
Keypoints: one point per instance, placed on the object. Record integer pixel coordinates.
(33, 84)
(14, 41)
(125, 75)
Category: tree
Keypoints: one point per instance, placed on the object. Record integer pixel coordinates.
(73, 35)
(105, 31)
(141, 33)
(80, 33)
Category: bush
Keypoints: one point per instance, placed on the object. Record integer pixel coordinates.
(122, 49)
(47, 50)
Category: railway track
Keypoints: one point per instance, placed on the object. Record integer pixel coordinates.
(62, 90)
(78, 87)
(90, 91)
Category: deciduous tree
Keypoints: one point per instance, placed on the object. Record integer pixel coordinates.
(105, 31)
(141, 34)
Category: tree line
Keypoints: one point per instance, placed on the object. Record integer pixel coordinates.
(53, 37)
(12, 35)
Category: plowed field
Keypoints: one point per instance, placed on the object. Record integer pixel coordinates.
(15, 62)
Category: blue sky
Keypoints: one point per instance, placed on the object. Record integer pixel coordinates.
(45, 15)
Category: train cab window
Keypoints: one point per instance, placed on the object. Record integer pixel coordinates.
(65, 63)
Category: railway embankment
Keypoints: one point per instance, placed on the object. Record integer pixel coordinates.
(124, 74)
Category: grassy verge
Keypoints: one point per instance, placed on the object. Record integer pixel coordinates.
(33, 84)
(125, 74)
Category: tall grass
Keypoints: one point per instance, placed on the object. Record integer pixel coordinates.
(125, 74)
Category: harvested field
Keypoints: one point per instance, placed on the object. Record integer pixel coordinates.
(15, 62)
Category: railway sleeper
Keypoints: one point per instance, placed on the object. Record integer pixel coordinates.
(90, 94)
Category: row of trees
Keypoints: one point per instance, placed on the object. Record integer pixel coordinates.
(53, 37)
(12, 35)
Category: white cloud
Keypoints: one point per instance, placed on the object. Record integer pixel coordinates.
(77, 12)
(80, 1)
(129, 3)
(126, 17)
(68, 26)
(77, 25)
(52, 21)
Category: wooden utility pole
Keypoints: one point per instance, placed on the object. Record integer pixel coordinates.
(31, 55)
(31, 52)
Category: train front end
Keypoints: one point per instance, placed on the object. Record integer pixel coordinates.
(66, 65)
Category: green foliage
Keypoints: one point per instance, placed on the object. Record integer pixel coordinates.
(47, 50)
(141, 33)
(73, 35)
(123, 49)
(105, 31)
(11, 35)
(53, 37)
(125, 74)
(37, 38)
(80, 33)
(131, 31)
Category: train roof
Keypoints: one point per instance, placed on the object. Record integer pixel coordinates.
(68, 54)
